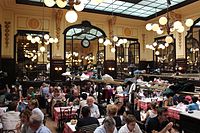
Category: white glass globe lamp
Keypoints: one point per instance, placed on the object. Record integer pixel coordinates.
(55, 40)
(51, 40)
(115, 38)
(61, 3)
(149, 26)
(181, 29)
(157, 53)
(29, 37)
(147, 46)
(125, 40)
(155, 27)
(107, 42)
(101, 40)
(166, 44)
(189, 22)
(79, 7)
(117, 44)
(169, 39)
(42, 48)
(46, 43)
(33, 40)
(49, 3)
(120, 41)
(97, 1)
(159, 31)
(155, 44)
(177, 24)
(163, 21)
(46, 36)
(37, 39)
(172, 29)
(71, 16)
(113, 50)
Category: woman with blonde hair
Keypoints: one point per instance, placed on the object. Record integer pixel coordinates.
(112, 112)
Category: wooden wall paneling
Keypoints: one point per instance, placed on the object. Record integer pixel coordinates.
(8, 66)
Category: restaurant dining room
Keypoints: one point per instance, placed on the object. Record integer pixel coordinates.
(99, 66)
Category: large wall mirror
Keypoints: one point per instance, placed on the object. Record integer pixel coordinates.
(192, 48)
(127, 57)
(82, 50)
(164, 55)
(32, 60)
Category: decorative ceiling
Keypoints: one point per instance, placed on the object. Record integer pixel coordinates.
(137, 9)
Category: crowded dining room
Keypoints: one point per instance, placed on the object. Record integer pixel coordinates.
(99, 66)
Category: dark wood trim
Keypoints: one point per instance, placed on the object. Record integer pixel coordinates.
(0, 45)
(23, 32)
(132, 1)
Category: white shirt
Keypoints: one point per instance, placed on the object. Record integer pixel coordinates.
(94, 111)
(101, 129)
(10, 120)
(124, 129)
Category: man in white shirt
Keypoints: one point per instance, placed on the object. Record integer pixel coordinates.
(131, 126)
(94, 109)
(107, 127)
(11, 118)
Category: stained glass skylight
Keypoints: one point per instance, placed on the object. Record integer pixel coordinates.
(144, 9)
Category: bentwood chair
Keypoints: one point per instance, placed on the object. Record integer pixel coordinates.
(66, 115)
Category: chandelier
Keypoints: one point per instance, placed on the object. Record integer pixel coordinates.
(166, 24)
(156, 46)
(71, 16)
(114, 41)
(43, 39)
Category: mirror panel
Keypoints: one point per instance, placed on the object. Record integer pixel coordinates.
(31, 63)
(127, 57)
(82, 48)
(192, 48)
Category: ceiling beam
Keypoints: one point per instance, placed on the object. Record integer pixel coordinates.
(131, 1)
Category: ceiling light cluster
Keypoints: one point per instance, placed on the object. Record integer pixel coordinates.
(46, 39)
(71, 16)
(170, 27)
(155, 46)
(166, 23)
(115, 41)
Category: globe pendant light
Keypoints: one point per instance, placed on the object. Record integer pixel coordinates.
(149, 26)
(49, 3)
(169, 39)
(61, 3)
(79, 7)
(71, 16)
(189, 22)
(163, 21)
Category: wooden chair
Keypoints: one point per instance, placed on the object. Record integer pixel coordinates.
(66, 115)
